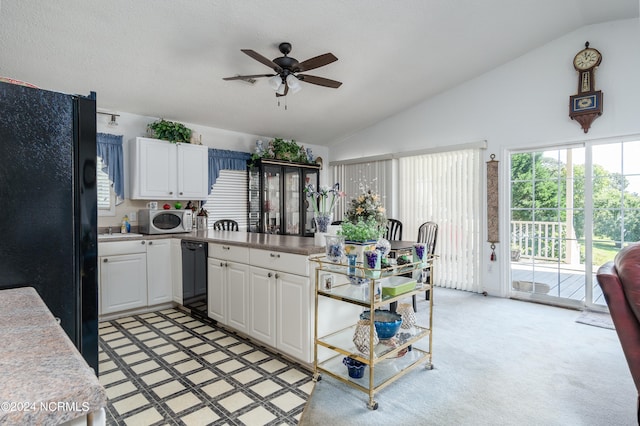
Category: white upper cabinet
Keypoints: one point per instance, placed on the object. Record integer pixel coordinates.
(168, 171)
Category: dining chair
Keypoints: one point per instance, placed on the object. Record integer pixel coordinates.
(225, 225)
(428, 235)
(394, 230)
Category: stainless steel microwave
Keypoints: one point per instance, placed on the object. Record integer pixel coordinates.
(164, 221)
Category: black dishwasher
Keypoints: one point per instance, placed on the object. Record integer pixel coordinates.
(194, 277)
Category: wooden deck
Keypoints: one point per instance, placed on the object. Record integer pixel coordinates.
(566, 283)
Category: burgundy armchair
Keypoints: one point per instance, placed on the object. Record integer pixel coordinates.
(620, 283)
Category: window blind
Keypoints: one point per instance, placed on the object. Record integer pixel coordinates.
(445, 188)
(228, 198)
(106, 198)
(353, 178)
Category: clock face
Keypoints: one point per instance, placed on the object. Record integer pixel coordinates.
(587, 58)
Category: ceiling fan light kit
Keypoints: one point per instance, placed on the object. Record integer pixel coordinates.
(287, 78)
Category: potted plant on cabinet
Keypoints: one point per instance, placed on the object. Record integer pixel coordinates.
(169, 131)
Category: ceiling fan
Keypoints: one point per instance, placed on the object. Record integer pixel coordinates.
(287, 69)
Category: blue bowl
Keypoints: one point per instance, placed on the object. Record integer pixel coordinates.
(387, 323)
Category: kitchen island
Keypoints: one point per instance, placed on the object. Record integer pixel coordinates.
(44, 378)
(259, 285)
(281, 243)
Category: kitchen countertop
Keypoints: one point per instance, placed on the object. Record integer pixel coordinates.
(44, 378)
(281, 243)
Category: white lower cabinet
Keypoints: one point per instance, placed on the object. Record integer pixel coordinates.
(293, 319)
(262, 305)
(123, 282)
(159, 279)
(228, 293)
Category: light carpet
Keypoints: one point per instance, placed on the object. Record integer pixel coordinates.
(496, 362)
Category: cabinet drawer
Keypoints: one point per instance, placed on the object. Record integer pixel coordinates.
(275, 260)
(122, 247)
(229, 252)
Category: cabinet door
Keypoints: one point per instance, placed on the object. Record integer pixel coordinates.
(159, 282)
(123, 282)
(156, 162)
(262, 318)
(293, 197)
(192, 171)
(216, 290)
(293, 315)
(271, 197)
(237, 277)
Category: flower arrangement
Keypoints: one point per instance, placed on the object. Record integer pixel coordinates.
(322, 206)
(367, 205)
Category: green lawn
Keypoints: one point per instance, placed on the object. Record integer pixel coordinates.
(603, 251)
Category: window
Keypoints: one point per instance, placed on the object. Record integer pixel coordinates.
(228, 198)
(106, 196)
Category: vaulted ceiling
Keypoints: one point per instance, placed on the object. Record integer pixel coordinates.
(167, 58)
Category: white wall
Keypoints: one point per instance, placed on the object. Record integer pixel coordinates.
(522, 104)
(131, 126)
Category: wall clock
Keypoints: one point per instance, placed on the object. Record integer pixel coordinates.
(586, 105)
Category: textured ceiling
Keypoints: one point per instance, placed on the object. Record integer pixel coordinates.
(167, 58)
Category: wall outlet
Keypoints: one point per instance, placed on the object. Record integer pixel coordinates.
(133, 216)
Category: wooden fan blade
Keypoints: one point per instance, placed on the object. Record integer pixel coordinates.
(245, 77)
(317, 62)
(258, 57)
(320, 81)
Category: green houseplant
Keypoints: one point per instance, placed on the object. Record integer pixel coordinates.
(361, 231)
(170, 131)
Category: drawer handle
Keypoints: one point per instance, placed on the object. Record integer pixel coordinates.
(226, 248)
(274, 255)
(105, 260)
(150, 242)
(143, 242)
(269, 275)
(221, 264)
(277, 276)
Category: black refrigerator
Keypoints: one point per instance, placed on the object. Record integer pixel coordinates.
(48, 231)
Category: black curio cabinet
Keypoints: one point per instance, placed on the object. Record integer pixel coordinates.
(277, 201)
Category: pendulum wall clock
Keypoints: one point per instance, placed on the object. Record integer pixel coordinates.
(586, 105)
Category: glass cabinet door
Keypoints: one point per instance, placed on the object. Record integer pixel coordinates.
(271, 214)
(309, 177)
(292, 191)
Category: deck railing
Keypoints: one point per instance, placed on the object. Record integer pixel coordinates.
(539, 240)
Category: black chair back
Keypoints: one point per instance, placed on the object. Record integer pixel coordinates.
(225, 225)
(428, 235)
(394, 230)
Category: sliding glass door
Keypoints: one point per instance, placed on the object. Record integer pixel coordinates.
(572, 209)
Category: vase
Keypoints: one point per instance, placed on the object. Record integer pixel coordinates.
(334, 248)
(358, 248)
(372, 263)
(322, 222)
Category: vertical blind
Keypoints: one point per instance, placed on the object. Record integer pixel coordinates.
(373, 175)
(445, 188)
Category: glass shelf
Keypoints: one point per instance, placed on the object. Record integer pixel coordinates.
(342, 341)
(384, 371)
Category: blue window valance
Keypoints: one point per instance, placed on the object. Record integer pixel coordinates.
(109, 148)
(222, 159)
